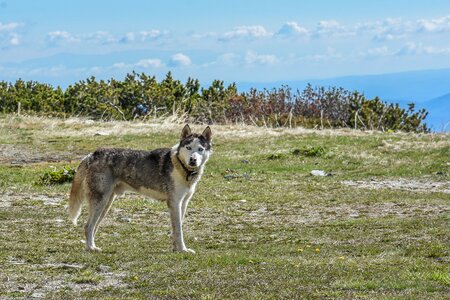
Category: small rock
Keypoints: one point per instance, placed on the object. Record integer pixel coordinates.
(245, 161)
(101, 133)
(243, 201)
(320, 173)
(127, 220)
(37, 295)
(104, 269)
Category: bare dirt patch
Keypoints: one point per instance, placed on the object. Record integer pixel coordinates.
(415, 185)
(19, 155)
(40, 288)
(6, 200)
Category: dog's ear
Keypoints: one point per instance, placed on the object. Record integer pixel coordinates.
(186, 131)
(207, 134)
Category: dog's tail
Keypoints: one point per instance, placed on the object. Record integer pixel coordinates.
(77, 193)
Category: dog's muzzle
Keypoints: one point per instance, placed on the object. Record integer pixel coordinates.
(193, 162)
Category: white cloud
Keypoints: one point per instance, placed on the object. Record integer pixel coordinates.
(142, 36)
(419, 49)
(62, 36)
(14, 39)
(150, 63)
(330, 27)
(292, 29)
(434, 25)
(102, 37)
(9, 35)
(129, 37)
(393, 29)
(8, 27)
(240, 32)
(180, 60)
(253, 58)
(152, 34)
(377, 52)
(386, 30)
(143, 63)
(436, 50)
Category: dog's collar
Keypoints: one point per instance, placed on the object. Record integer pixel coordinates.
(189, 173)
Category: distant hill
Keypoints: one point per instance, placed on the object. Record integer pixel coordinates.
(439, 112)
(429, 89)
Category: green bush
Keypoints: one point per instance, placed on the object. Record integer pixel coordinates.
(142, 96)
(57, 176)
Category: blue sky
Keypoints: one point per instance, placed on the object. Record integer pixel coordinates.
(61, 42)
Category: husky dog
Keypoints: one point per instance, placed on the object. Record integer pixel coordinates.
(164, 174)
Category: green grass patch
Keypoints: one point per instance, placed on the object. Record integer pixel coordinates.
(310, 151)
(261, 226)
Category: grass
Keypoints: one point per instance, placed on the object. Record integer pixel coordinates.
(263, 228)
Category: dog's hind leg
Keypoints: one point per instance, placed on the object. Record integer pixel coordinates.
(105, 211)
(95, 211)
(98, 206)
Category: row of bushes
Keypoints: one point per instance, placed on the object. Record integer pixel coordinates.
(142, 96)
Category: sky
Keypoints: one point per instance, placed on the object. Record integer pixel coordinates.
(61, 42)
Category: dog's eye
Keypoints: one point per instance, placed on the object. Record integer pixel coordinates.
(189, 148)
(200, 149)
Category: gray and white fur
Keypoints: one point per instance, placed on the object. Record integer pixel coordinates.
(166, 174)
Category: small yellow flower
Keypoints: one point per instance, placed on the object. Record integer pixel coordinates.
(341, 257)
(317, 250)
(308, 246)
(300, 250)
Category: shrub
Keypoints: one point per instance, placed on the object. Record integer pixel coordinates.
(57, 176)
(141, 96)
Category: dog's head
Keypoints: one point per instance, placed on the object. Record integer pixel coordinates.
(194, 149)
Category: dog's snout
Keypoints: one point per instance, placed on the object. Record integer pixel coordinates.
(193, 161)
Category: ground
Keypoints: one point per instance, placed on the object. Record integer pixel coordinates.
(263, 228)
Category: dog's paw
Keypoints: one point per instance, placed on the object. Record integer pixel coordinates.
(184, 250)
(93, 249)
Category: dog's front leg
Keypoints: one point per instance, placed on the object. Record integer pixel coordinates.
(184, 205)
(175, 210)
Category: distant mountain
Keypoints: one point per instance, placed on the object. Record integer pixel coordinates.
(439, 113)
(416, 86)
(429, 89)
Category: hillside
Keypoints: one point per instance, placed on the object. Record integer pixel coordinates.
(439, 109)
(262, 226)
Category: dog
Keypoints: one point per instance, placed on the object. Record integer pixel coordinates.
(166, 174)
